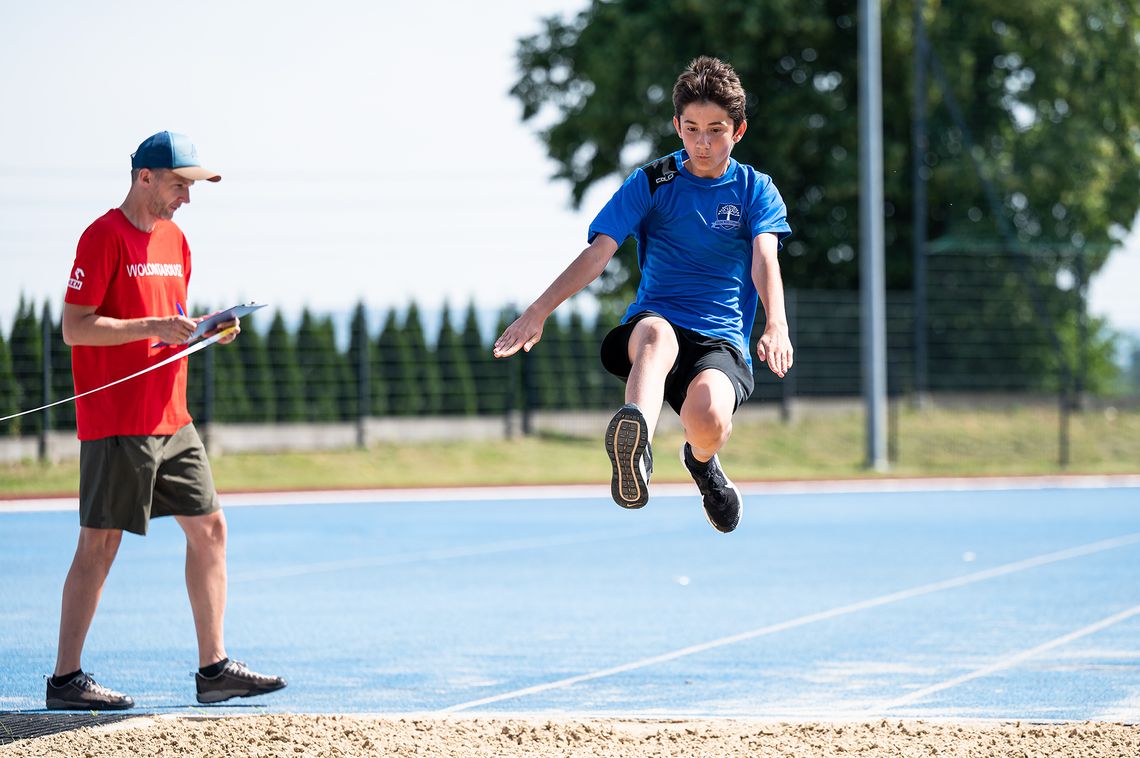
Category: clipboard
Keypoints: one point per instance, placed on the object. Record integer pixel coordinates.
(211, 322)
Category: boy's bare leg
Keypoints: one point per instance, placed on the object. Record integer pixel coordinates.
(707, 413)
(707, 418)
(652, 352)
(206, 581)
(81, 592)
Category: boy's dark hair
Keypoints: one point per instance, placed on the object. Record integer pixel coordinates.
(710, 80)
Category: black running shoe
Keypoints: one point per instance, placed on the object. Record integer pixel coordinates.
(627, 443)
(235, 680)
(83, 694)
(722, 500)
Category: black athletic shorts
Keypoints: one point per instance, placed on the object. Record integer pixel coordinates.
(696, 352)
(127, 480)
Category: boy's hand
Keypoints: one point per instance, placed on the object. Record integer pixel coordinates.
(525, 332)
(775, 349)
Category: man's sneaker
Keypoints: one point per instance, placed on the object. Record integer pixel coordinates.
(722, 500)
(235, 680)
(627, 443)
(83, 694)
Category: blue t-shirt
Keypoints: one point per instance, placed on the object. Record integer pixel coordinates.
(694, 242)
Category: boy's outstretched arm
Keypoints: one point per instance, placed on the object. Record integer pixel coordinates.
(774, 346)
(526, 331)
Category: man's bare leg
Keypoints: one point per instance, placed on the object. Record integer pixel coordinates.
(206, 581)
(82, 590)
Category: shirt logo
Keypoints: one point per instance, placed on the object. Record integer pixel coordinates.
(727, 216)
(76, 280)
(154, 269)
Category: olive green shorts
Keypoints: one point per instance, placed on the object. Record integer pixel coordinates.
(127, 480)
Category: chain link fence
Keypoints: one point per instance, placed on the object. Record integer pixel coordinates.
(382, 375)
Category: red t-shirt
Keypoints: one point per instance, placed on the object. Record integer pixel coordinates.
(127, 273)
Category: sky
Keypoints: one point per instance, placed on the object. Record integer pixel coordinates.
(369, 151)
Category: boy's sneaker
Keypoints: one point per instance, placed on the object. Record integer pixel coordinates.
(83, 694)
(722, 500)
(627, 443)
(235, 680)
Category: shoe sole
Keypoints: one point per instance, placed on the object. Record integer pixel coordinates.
(739, 499)
(626, 438)
(67, 705)
(220, 696)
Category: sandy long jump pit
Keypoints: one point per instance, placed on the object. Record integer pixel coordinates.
(266, 736)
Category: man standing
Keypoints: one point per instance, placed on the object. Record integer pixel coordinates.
(140, 456)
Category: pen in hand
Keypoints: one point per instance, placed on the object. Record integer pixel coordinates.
(181, 312)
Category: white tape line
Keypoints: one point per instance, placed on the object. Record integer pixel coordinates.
(1006, 663)
(188, 351)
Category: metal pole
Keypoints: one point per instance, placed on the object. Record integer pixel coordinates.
(919, 146)
(872, 277)
(363, 384)
(1080, 378)
(1064, 409)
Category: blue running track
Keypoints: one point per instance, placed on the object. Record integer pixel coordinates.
(1019, 602)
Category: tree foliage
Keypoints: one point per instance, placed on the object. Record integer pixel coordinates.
(258, 370)
(397, 367)
(9, 390)
(27, 346)
(1046, 92)
(266, 379)
(488, 374)
(320, 366)
(289, 391)
(62, 385)
(426, 386)
(456, 381)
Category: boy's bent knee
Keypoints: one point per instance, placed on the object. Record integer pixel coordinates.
(707, 430)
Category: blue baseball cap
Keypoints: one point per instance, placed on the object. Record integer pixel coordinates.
(172, 151)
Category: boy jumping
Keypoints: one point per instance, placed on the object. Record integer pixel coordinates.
(708, 231)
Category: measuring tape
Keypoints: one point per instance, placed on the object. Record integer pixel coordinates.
(188, 351)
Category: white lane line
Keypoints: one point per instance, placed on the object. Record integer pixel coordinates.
(843, 610)
(443, 554)
(1006, 663)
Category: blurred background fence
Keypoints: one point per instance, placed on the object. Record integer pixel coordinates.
(984, 338)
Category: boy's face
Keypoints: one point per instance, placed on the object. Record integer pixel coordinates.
(706, 131)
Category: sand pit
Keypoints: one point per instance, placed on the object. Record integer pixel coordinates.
(300, 736)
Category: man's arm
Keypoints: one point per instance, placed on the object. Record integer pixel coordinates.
(526, 331)
(83, 326)
(774, 346)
